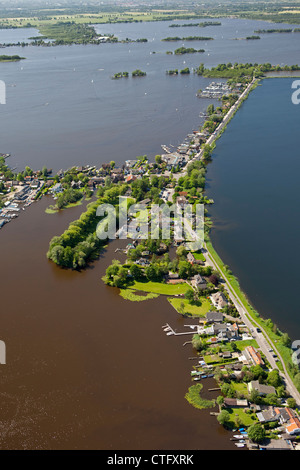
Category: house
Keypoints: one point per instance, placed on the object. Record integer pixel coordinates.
(260, 388)
(219, 300)
(142, 262)
(291, 421)
(181, 201)
(190, 257)
(277, 444)
(253, 356)
(268, 416)
(57, 188)
(130, 178)
(234, 402)
(214, 317)
(171, 275)
(198, 282)
(130, 163)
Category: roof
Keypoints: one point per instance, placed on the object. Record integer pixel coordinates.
(214, 316)
(254, 355)
(261, 388)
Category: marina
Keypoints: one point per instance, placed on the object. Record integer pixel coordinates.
(215, 90)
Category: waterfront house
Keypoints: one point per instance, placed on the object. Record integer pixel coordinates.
(219, 300)
(214, 317)
(57, 188)
(277, 444)
(234, 402)
(262, 389)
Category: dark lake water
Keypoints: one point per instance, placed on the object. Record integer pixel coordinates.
(65, 110)
(254, 181)
(85, 368)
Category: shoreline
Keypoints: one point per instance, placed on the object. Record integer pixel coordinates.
(212, 256)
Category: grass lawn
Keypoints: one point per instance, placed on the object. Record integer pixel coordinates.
(192, 309)
(212, 359)
(199, 256)
(240, 387)
(245, 419)
(160, 288)
(241, 345)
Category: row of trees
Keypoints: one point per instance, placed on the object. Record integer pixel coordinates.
(79, 244)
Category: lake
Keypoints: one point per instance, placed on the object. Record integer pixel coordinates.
(254, 182)
(63, 108)
(85, 368)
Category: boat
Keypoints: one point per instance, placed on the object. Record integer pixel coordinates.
(239, 444)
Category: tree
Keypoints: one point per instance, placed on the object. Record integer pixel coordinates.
(274, 378)
(223, 417)
(181, 251)
(286, 341)
(291, 402)
(135, 271)
(220, 400)
(258, 372)
(256, 432)
(158, 159)
(272, 399)
(190, 295)
(210, 109)
(254, 397)
(197, 342)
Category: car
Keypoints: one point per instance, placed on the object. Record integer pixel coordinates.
(258, 330)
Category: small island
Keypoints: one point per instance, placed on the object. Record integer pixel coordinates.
(120, 75)
(138, 73)
(10, 58)
(187, 50)
(188, 38)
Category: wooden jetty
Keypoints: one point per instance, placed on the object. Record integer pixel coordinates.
(169, 331)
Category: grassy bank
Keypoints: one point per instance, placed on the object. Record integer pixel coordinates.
(160, 288)
(183, 306)
(275, 335)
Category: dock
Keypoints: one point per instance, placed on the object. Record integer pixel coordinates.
(169, 331)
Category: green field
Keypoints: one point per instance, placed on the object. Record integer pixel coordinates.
(194, 310)
(239, 414)
(160, 288)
